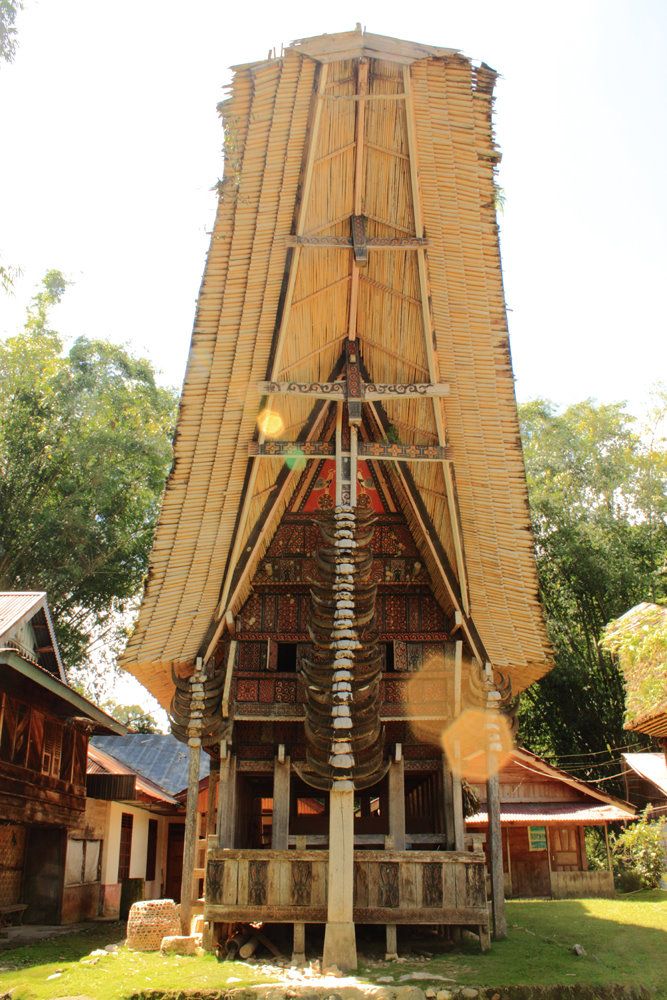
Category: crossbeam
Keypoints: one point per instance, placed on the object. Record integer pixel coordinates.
(369, 451)
(369, 390)
(347, 243)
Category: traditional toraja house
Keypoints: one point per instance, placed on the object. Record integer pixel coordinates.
(343, 563)
(44, 731)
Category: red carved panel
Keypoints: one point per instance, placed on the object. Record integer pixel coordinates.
(246, 690)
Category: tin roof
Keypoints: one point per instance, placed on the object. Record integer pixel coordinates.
(159, 757)
(17, 607)
(554, 814)
(651, 766)
(101, 762)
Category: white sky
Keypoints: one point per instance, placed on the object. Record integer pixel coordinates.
(110, 145)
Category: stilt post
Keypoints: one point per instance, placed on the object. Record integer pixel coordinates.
(281, 796)
(340, 946)
(493, 811)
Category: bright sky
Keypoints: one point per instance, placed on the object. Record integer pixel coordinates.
(111, 145)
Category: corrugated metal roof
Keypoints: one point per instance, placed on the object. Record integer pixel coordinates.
(17, 606)
(157, 756)
(651, 766)
(547, 813)
(101, 762)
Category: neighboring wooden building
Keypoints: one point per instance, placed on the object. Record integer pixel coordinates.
(344, 561)
(134, 819)
(544, 812)
(44, 730)
(142, 816)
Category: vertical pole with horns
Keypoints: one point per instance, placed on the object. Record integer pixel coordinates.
(194, 759)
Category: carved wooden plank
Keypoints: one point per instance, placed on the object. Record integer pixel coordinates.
(320, 390)
(346, 243)
(302, 883)
(388, 886)
(432, 884)
(257, 882)
(361, 897)
(214, 876)
(371, 451)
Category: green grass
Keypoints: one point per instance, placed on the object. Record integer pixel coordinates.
(625, 941)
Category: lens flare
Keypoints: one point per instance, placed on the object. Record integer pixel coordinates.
(477, 744)
(270, 423)
(296, 462)
(427, 696)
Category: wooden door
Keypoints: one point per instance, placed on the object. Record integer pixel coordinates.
(44, 874)
(565, 849)
(174, 872)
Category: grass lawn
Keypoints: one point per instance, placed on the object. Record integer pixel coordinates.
(625, 941)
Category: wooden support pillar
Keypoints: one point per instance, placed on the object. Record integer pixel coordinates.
(448, 804)
(281, 796)
(495, 846)
(340, 946)
(227, 800)
(392, 943)
(457, 803)
(397, 800)
(608, 846)
(299, 944)
(212, 798)
(190, 842)
(457, 790)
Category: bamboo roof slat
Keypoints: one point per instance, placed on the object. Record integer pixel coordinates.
(269, 310)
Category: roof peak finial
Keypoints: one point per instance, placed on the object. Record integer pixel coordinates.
(358, 28)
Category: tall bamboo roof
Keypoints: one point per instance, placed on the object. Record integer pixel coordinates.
(344, 125)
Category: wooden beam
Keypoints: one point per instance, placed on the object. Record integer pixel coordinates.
(369, 390)
(347, 243)
(369, 451)
(427, 326)
(397, 803)
(496, 858)
(281, 805)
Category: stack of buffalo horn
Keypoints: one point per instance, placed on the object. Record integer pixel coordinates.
(195, 708)
(342, 671)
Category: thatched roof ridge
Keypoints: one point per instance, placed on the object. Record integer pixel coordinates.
(272, 309)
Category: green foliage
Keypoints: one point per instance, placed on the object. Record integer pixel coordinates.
(596, 849)
(638, 854)
(639, 640)
(598, 505)
(8, 11)
(136, 718)
(84, 451)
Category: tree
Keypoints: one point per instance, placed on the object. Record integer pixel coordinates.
(598, 507)
(85, 446)
(8, 11)
(136, 718)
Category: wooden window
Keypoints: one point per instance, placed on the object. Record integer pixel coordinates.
(125, 851)
(21, 735)
(8, 726)
(389, 661)
(53, 740)
(67, 754)
(36, 746)
(537, 838)
(286, 659)
(151, 850)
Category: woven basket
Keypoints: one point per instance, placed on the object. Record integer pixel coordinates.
(150, 921)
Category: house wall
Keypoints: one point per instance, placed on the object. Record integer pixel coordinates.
(110, 886)
(82, 891)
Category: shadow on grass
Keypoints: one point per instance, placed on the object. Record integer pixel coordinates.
(61, 947)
